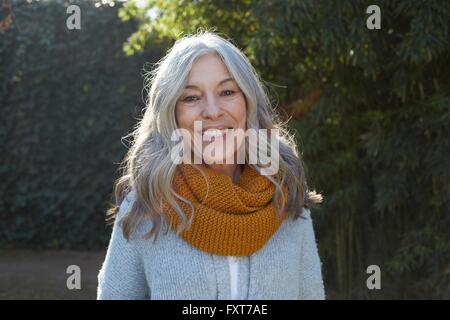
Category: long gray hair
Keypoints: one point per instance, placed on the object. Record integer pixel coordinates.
(147, 169)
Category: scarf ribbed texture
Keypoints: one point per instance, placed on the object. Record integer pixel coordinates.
(232, 219)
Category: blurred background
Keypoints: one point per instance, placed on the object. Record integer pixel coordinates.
(370, 109)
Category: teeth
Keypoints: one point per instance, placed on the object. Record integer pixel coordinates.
(215, 132)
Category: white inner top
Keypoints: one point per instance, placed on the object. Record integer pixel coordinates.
(234, 277)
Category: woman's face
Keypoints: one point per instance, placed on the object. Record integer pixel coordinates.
(214, 99)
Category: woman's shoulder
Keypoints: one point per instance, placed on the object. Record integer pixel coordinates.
(303, 223)
(303, 218)
(142, 225)
(306, 213)
(126, 204)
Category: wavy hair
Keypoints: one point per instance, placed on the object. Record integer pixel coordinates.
(147, 168)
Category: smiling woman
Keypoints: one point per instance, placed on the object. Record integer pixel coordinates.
(231, 232)
(214, 99)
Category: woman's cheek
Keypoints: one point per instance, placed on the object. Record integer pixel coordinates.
(186, 117)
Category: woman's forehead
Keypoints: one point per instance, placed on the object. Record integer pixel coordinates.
(206, 68)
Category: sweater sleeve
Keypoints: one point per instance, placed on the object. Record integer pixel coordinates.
(122, 275)
(311, 282)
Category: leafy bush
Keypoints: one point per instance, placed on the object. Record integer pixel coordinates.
(67, 97)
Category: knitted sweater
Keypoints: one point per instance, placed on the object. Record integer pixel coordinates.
(287, 267)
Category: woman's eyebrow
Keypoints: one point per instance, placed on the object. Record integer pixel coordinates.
(191, 86)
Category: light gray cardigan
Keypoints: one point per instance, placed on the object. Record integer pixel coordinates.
(287, 267)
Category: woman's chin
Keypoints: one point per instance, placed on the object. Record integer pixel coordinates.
(211, 160)
(211, 155)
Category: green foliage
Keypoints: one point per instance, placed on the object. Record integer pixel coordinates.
(67, 97)
(375, 142)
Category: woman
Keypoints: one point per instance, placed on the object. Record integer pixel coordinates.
(231, 229)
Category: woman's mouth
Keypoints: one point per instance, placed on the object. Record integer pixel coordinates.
(215, 132)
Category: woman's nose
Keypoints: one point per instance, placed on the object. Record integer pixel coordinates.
(212, 109)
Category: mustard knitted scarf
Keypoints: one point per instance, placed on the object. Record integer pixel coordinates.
(231, 219)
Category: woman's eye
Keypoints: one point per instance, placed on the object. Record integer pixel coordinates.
(190, 98)
(228, 92)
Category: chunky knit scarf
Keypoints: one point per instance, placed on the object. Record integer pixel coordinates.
(231, 219)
